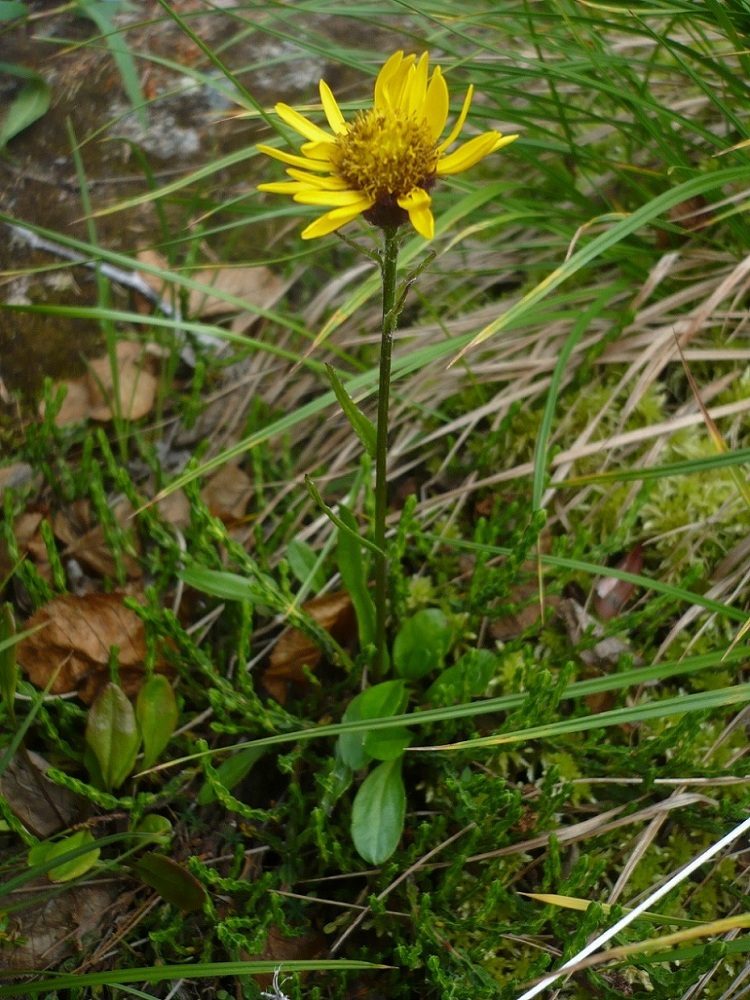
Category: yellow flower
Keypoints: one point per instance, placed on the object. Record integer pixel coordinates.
(383, 163)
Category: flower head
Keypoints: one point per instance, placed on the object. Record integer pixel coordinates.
(382, 164)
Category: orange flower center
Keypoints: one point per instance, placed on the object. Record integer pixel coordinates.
(385, 155)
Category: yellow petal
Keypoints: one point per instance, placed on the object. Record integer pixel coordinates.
(319, 150)
(460, 122)
(281, 187)
(292, 160)
(330, 222)
(332, 110)
(417, 204)
(389, 67)
(436, 104)
(319, 183)
(300, 124)
(335, 199)
(308, 184)
(399, 86)
(391, 79)
(416, 90)
(472, 152)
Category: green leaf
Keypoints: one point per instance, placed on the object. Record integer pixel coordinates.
(387, 744)
(91, 763)
(350, 747)
(45, 852)
(227, 586)
(312, 489)
(378, 813)
(379, 701)
(362, 426)
(468, 678)
(101, 14)
(8, 665)
(11, 9)
(421, 643)
(262, 590)
(171, 881)
(211, 971)
(335, 783)
(303, 562)
(354, 574)
(230, 772)
(112, 735)
(157, 828)
(29, 104)
(156, 714)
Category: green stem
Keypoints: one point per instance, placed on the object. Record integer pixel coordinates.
(388, 269)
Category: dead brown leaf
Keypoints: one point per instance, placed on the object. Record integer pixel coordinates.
(154, 259)
(602, 655)
(136, 386)
(258, 286)
(526, 598)
(611, 595)
(282, 949)
(15, 476)
(52, 929)
(77, 403)
(175, 509)
(92, 397)
(42, 806)
(528, 611)
(77, 637)
(295, 652)
(26, 528)
(227, 492)
(85, 540)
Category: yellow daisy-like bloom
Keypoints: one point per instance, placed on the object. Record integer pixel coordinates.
(383, 164)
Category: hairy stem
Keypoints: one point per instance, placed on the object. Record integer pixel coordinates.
(389, 268)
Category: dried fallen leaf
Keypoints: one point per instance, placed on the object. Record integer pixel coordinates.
(605, 653)
(693, 213)
(285, 949)
(52, 928)
(77, 403)
(15, 476)
(524, 598)
(258, 286)
(528, 610)
(136, 386)
(93, 396)
(42, 806)
(295, 652)
(227, 492)
(85, 540)
(26, 528)
(77, 637)
(28, 539)
(611, 595)
(154, 259)
(175, 509)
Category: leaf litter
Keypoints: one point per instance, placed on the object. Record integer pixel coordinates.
(76, 643)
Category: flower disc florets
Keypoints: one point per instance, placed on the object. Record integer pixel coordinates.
(382, 164)
(386, 155)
